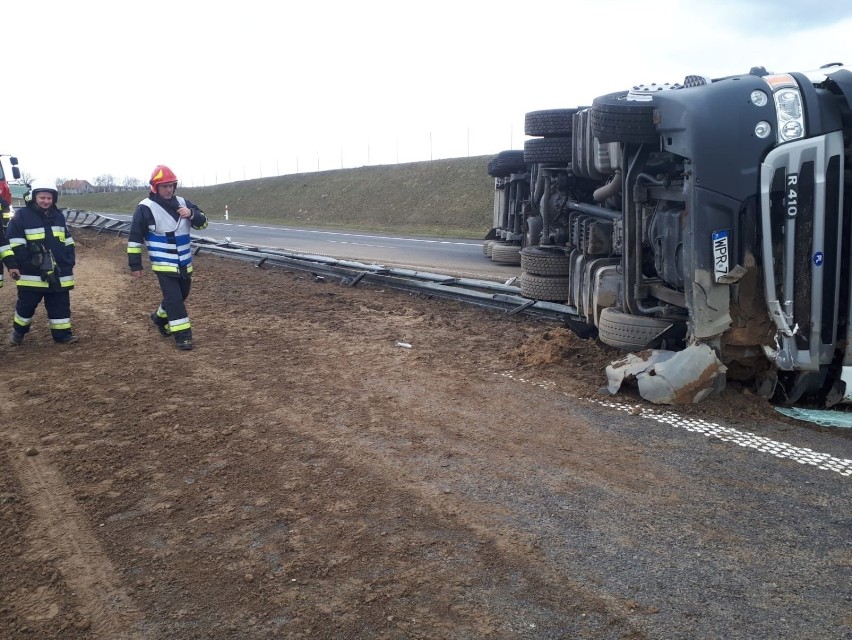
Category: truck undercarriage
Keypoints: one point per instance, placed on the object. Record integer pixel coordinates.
(715, 212)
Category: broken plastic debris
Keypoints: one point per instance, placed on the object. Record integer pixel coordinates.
(404, 345)
(670, 377)
(821, 417)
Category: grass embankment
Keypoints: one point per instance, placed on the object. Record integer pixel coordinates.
(452, 197)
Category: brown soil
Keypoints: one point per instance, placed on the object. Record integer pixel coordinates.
(301, 475)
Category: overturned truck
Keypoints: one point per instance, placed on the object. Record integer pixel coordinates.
(712, 212)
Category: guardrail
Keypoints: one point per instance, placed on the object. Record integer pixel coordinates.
(492, 295)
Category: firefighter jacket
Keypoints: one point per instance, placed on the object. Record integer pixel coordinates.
(43, 248)
(6, 253)
(166, 235)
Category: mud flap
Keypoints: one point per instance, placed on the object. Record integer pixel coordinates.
(670, 377)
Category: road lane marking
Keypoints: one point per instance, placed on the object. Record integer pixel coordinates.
(778, 449)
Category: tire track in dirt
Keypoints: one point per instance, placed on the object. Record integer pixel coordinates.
(60, 532)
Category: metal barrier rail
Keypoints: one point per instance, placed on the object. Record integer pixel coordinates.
(482, 293)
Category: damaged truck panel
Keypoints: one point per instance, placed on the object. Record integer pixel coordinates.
(712, 212)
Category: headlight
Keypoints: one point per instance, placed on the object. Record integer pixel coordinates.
(788, 107)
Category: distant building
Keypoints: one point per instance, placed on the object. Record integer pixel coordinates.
(74, 187)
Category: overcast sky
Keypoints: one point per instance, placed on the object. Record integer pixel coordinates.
(223, 91)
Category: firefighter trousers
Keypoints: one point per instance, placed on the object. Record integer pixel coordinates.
(57, 304)
(175, 291)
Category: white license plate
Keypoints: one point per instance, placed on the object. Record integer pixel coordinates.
(721, 255)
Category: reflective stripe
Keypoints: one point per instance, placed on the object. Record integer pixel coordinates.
(35, 234)
(16, 242)
(22, 322)
(58, 233)
(59, 323)
(69, 242)
(33, 282)
(179, 325)
(66, 281)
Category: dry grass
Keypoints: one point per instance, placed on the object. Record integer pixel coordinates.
(450, 197)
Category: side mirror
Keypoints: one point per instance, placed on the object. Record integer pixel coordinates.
(13, 160)
(16, 172)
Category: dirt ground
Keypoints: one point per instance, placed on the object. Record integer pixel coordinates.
(301, 475)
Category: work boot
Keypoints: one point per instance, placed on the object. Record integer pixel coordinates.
(184, 344)
(162, 328)
(68, 338)
(16, 339)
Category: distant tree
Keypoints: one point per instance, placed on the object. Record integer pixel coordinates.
(131, 183)
(27, 177)
(105, 182)
(59, 183)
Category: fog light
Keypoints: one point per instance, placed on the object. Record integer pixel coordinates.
(758, 98)
(762, 129)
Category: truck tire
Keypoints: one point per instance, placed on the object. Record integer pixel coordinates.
(489, 248)
(506, 163)
(550, 288)
(539, 261)
(506, 254)
(548, 150)
(613, 118)
(631, 333)
(551, 122)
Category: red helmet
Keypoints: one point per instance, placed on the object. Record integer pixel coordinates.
(161, 175)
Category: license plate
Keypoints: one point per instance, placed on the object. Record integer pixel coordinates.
(721, 255)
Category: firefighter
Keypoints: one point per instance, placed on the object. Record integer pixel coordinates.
(162, 221)
(6, 253)
(7, 212)
(45, 254)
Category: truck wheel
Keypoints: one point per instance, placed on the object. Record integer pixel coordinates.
(551, 122)
(489, 250)
(633, 333)
(613, 118)
(540, 261)
(506, 254)
(557, 150)
(553, 289)
(506, 163)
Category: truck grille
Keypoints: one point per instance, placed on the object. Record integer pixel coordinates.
(801, 225)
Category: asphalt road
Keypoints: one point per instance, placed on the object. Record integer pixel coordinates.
(458, 257)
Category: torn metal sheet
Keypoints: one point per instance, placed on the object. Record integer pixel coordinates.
(670, 377)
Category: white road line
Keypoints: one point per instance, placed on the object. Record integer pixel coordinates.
(802, 455)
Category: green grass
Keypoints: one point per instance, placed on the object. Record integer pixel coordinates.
(452, 198)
